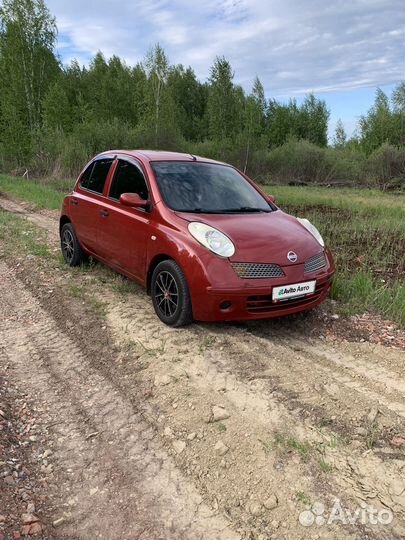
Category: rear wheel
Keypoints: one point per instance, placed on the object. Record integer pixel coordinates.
(170, 294)
(72, 251)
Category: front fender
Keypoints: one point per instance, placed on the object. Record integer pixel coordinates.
(177, 245)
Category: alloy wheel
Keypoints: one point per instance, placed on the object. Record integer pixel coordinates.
(166, 293)
(68, 246)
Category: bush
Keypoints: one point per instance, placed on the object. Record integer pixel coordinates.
(72, 159)
(225, 150)
(302, 162)
(386, 167)
(299, 162)
(55, 153)
(345, 166)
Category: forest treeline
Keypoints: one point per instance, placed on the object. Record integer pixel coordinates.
(53, 117)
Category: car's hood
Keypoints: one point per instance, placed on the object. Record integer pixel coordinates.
(263, 237)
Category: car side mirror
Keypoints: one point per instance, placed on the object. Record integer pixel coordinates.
(270, 198)
(133, 199)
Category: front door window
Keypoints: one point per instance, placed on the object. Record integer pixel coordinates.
(128, 178)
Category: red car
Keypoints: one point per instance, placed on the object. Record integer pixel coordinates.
(202, 238)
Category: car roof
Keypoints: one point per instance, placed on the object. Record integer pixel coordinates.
(160, 155)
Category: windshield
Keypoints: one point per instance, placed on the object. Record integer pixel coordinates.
(207, 188)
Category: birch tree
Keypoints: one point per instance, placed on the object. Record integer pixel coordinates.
(157, 70)
(221, 100)
(340, 137)
(28, 35)
(255, 111)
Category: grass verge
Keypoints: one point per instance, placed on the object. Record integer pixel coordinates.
(40, 193)
(365, 230)
(25, 237)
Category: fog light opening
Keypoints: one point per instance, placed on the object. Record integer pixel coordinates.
(226, 304)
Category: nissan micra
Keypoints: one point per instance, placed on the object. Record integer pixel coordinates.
(203, 239)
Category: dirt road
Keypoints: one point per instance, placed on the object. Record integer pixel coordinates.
(251, 431)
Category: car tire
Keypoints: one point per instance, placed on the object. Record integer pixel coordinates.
(72, 251)
(171, 295)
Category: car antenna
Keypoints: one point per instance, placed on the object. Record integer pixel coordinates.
(193, 157)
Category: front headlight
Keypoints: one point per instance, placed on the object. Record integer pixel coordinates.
(312, 229)
(212, 239)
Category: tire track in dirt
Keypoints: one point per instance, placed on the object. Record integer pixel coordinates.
(382, 366)
(122, 483)
(367, 382)
(361, 476)
(269, 384)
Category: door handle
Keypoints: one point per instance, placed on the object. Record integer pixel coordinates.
(74, 201)
(104, 213)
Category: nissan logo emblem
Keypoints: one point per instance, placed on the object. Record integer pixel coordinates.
(292, 256)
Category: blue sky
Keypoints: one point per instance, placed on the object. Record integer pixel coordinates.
(340, 50)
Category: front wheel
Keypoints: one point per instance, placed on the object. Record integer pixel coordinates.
(170, 294)
(72, 251)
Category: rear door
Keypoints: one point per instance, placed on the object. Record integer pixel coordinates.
(86, 202)
(124, 230)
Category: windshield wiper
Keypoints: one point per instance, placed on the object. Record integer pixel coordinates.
(245, 209)
(240, 209)
(199, 211)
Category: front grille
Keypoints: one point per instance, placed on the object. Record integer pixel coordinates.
(265, 304)
(257, 270)
(315, 263)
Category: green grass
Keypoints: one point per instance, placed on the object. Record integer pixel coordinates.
(305, 449)
(26, 237)
(302, 497)
(123, 285)
(324, 465)
(292, 443)
(363, 291)
(386, 207)
(207, 341)
(41, 193)
(77, 291)
(365, 230)
(371, 434)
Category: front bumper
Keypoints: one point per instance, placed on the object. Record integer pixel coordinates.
(243, 299)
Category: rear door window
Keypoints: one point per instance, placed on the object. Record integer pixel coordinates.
(128, 179)
(95, 175)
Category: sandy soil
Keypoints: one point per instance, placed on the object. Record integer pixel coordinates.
(213, 431)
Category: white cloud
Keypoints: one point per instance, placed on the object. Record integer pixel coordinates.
(293, 46)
